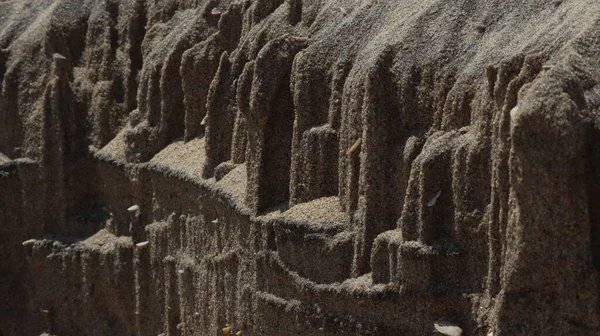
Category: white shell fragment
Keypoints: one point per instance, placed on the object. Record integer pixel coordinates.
(434, 199)
(28, 242)
(215, 11)
(216, 221)
(343, 10)
(203, 122)
(142, 244)
(490, 333)
(180, 271)
(133, 208)
(447, 329)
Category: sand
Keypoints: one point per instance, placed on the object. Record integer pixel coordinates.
(330, 167)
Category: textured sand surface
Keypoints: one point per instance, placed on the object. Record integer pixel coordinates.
(299, 167)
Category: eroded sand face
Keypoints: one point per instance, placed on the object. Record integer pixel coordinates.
(294, 167)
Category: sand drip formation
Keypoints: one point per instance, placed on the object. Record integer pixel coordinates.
(299, 167)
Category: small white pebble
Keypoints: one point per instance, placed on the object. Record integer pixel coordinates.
(28, 242)
(434, 199)
(180, 271)
(447, 329)
(142, 244)
(203, 122)
(133, 208)
(490, 332)
(343, 10)
(216, 221)
(215, 11)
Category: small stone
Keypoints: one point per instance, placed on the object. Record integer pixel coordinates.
(434, 199)
(142, 244)
(354, 147)
(447, 329)
(28, 242)
(60, 63)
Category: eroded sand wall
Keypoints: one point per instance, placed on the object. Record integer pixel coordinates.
(299, 167)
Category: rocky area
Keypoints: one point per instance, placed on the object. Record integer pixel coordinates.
(299, 167)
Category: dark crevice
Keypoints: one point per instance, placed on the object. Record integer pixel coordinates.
(76, 41)
(113, 12)
(295, 13)
(11, 127)
(491, 74)
(220, 117)
(174, 116)
(593, 194)
(137, 32)
(353, 160)
(465, 112)
(278, 147)
(593, 185)
(118, 92)
(7, 40)
(440, 218)
(3, 60)
(271, 240)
